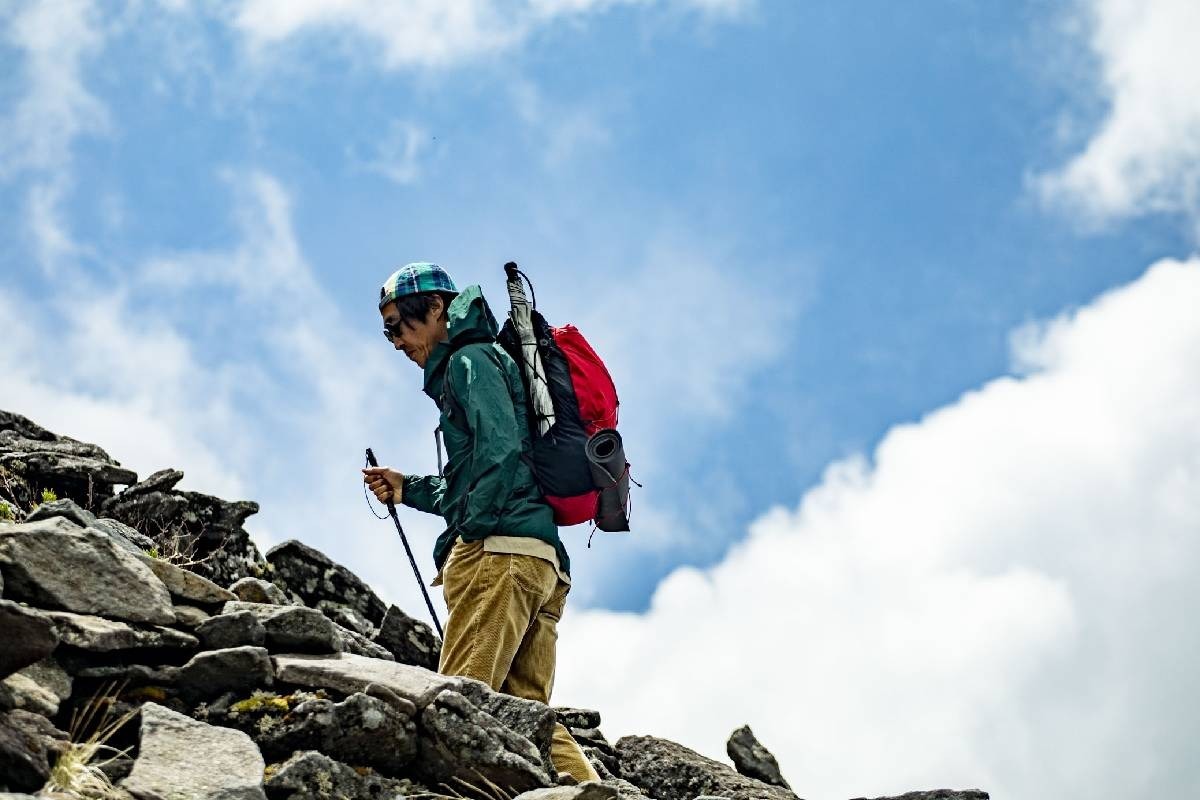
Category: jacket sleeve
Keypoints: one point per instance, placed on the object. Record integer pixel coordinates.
(478, 385)
(423, 492)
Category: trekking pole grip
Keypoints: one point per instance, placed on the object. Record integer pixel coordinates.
(374, 463)
(510, 270)
(391, 507)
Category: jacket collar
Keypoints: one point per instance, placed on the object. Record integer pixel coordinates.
(469, 321)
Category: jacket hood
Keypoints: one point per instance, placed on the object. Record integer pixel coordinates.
(469, 320)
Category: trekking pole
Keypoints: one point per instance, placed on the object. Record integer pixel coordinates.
(391, 507)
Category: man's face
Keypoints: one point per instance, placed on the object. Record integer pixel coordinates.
(416, 339)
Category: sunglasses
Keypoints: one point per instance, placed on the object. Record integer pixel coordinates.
(392, 329)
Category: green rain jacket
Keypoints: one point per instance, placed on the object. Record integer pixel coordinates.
(487, 488)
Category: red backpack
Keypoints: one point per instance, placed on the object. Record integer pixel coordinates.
(578, 458)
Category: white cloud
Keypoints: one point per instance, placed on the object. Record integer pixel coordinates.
(1003, 597)
(562, 132)
(400, 154)
(1145, 155)
(56, 39)
(433, 33)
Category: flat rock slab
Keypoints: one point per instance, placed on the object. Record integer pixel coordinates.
(752, 759)
(187, 585)
(669, 771)
(292, 629)
(54, 563)
(182, 759)
(27, 635)
(584, 791)
(313, 576)
(460, 744)
(938, 794)
(102, 635)
(349, 673)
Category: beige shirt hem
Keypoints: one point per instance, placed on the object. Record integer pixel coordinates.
(520, 546)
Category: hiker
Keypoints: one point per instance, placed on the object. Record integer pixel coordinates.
(503, 569)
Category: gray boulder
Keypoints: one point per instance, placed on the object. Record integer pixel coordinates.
(124, 535)
(409, 640)
(182, 759)
(65, 508)
(348, 673)
(348, 618)
(98, 634)
(355, 642)
(54, 563)
(531, 719)
(25, 693)
(461, 745)
(292, 629)
(27, 743)
(190, 617)
(39, 687)
(187, 585)
(235, 669)
(752, 759)
(310, 775)
(669, 771)
(361, 730)
(27, 635)
(256, 590)
(231, 630)
(577, 717)
(314, 577)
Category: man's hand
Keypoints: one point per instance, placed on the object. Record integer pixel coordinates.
(385, 482)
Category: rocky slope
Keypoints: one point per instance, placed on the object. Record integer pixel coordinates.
(149, 650)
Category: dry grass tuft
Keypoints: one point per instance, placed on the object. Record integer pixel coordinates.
(79, 771)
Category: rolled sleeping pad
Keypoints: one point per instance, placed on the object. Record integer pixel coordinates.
(606, 454)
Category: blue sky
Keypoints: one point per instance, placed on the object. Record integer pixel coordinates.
(795, 230)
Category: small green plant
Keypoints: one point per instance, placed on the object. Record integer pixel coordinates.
(152, 552)
(48, 496)
(6, 511)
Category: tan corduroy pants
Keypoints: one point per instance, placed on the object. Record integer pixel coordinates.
(503, 629)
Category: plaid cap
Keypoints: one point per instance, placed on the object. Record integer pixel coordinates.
(415, 278)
